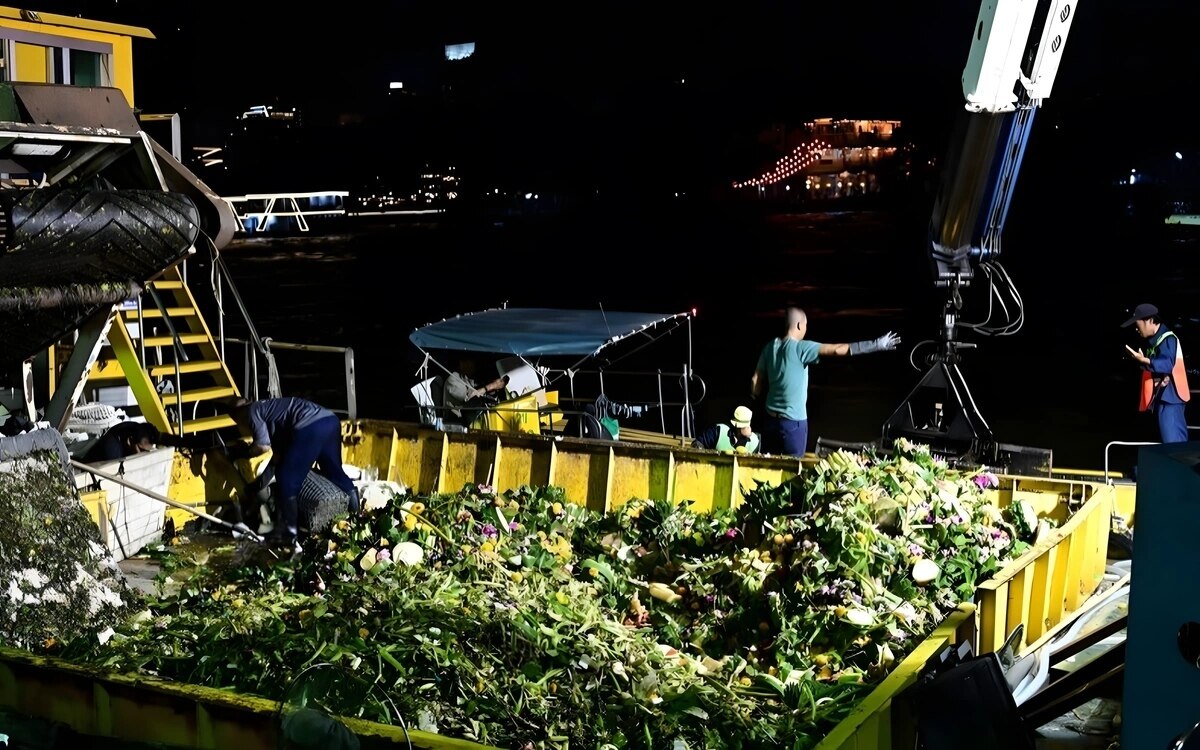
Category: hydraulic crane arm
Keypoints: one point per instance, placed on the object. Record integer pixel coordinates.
(1009, 72)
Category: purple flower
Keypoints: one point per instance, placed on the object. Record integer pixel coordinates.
(915, 550)
(731, 533)
(986, 481)
(513, 525)
(488, 530)
(383, 554)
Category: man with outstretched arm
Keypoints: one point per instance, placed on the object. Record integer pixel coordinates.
(782, 378)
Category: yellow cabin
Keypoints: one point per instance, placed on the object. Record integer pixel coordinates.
(50, 48)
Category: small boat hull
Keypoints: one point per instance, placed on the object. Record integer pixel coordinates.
(128, 519)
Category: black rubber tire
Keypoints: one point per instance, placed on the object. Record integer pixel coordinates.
(320, 502)
(92, 236)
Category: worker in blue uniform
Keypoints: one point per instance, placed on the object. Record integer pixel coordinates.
(1164, 386)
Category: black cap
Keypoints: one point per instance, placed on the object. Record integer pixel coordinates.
(1141, 312)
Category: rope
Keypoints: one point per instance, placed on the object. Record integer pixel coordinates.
(274, 389)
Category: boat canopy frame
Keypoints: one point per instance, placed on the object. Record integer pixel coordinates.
(534, 334)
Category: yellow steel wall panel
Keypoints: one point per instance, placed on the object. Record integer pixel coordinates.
(515, 466)
(467, 461)
(367, 444)
(700, 481)
(541, 464)
(65, 700)
(1073, 575)
(1045, 504)
(1058, 581)
(750, 474)
(1018, 604)
(571, 474)
(583, 476)
(993, 618)
(640, 477)
(845, 736)
(431, 466)
(1039, 599)
(142, 708)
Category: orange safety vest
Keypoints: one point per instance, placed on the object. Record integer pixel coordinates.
(1178, 375)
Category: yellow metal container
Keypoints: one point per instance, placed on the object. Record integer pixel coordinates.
(1045, 586)
(869, 726)
(139, 708)
(520, 414)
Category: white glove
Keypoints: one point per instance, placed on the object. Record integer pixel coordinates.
(884, 343)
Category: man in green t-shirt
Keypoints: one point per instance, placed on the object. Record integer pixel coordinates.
(782, 377)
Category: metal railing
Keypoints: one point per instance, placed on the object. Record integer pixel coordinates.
(252, 380)
(257, 347)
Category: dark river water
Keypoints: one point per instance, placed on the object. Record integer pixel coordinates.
(1060, 380)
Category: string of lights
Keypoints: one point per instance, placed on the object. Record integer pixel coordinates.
(800, 158)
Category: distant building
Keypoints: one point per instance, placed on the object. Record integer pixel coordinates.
(828, 158)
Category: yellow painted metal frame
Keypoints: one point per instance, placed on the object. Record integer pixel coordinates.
(1041, 589)
(139, 708)
(32, 57)
(1052, 580)
(597, 474)
(869, 725)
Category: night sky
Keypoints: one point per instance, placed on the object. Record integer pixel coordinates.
(651, 87)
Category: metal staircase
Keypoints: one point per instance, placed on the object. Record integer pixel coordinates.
(163, 349)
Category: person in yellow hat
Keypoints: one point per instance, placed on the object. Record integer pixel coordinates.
(736, 436)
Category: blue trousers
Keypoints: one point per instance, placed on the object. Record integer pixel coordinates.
(1172, 424)
(319, 443)
(785, 437)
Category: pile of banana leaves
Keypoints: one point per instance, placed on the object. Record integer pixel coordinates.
(521, 620)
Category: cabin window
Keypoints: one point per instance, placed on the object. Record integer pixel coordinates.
(78, 67)
(48, 58)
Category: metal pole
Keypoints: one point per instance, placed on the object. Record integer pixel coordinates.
(241, 528)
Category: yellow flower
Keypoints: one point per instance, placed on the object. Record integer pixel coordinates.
(382, 542)
(487, 547)
(556, 508)
(593, 572)
(514, 506)
(516, 577)
(363, 632)
(562, 598)
(410, 522)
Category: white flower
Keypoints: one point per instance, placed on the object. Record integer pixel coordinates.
(408, 553)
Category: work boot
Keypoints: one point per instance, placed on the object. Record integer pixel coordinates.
(280, 538)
